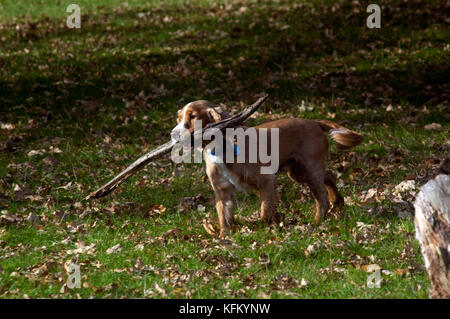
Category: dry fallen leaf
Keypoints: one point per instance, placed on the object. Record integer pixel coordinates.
(7, 126)
(371, 267)
(368, 195)
(34, 153)
(175, 232)
(402, 271)
(82, 249)
(66, 187)
(161, 291)
(114, 249)
(8, 217)
(34, 198)
(405, 186)
(264, 260)
(209, 226)
(263, 295)
(433, 126)
(312, 249)
(54, 150)
(304, 282)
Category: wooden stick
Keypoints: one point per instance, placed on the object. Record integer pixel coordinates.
(130, 170)
(167, 147)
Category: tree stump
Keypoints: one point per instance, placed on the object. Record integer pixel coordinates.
(432, 221)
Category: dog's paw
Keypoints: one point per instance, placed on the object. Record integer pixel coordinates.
(337, 209)
(276, 218)
(223, 234)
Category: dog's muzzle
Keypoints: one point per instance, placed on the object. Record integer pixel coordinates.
(179, 133)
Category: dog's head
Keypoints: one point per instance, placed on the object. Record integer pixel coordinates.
(199, 112)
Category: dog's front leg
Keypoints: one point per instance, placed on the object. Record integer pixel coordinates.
(225, 203)
(269, 202)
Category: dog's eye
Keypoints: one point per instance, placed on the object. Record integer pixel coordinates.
(191, 116)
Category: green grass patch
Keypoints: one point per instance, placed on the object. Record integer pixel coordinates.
(77, 106)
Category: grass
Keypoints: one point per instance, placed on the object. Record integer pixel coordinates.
(92, 100)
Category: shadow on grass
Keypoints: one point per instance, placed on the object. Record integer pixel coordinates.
(293, 52)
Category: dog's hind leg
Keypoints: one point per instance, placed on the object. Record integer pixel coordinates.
(297, 174)
(334, 196)
(317, 187)
(314, 177)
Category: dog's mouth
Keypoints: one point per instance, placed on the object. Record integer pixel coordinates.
(180, 134)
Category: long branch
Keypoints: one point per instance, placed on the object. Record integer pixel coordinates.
(167, 147)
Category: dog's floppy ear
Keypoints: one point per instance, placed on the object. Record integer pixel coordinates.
(214, 115)
(217, 113)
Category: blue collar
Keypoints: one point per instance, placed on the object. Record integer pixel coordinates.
(235, 147)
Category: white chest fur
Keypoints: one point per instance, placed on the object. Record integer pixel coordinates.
(222, 175)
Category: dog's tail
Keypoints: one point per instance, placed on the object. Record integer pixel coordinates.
(344, 138)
